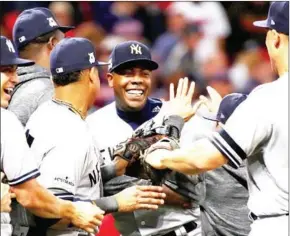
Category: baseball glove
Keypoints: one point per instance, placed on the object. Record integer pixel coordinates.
(143, 138)
(157, 176)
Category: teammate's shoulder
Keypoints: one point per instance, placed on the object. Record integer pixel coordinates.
(10, 121)
(8, 115)
(102, 112)
(35, 86)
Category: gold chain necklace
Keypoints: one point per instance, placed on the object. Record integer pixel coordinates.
(70, 106)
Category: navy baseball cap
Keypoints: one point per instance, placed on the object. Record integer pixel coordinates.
(34, 22)
(73, 54)
(131, 51)
(9, 56)
(278, 18)
(227, 106)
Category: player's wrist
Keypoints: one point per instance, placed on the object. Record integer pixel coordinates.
(108, 204)
(67, 210)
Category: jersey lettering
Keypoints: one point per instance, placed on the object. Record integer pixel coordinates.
(94, 178)
(29, 138)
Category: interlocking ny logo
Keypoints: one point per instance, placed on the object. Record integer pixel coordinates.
(136, 49)
(10, 46)
(51, 22)
(92, 58)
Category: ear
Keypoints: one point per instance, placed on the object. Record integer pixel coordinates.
(277, 38)
(52, 42)
(110, 80)
(93, 74)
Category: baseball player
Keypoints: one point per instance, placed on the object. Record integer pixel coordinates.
(18, 165)
(35, 34)
(263, 141)
(130, 76)
(65, 151)
(224, 210)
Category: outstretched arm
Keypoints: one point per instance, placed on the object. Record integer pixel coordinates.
(201, 157)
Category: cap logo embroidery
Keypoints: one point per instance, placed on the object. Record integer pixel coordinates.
(92, 58)
(51, 22)
(272, 22)
(59, 70)
(156, 109)
(10, 46)
(136, 49)
(22, 39)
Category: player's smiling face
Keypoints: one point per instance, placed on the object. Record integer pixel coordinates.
(8, 81)
(131, 87)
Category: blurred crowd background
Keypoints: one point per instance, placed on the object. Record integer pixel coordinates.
(212, 43)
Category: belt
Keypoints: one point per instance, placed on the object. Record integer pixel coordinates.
(183, 229)
(253, 217)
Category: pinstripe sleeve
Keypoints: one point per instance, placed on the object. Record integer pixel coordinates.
(246, 131)
(17, 161)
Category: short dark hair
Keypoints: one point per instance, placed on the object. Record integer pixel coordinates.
(62, 80)
(42, 39)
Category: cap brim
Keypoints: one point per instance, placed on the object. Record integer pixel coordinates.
(21, 62)
(210, 116)
(65, 29)
(261, 23)
(148, 64)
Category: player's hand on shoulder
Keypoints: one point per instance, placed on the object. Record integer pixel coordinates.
(180, 103)
(140, 197)
(87, 216)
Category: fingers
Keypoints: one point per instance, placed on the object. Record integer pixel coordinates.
(214, 95)
(204, 99)
(100, 216)
(150, 188)
(184, 87)
(96, 222)
(171, 92)
(147, 206)
(179, 87)
(197, 105)
(191, 91)
(148, 200)
(148, 194)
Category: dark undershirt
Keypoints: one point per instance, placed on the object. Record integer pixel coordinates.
(137, 118)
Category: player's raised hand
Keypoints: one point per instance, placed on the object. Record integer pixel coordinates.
(213, 102)
(87, 216)
(181, 102)
(140, 197)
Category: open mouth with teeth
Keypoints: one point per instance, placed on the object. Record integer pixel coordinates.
(8, 91)
(135, 93)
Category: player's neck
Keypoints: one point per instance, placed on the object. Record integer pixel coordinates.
(282, 64)
(39, 58)
(74, 98)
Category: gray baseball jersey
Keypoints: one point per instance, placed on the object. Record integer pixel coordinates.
(66, 155)
(16, 160)
(263, 140)
(141, 222)
(224, 210)
(34, 88)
